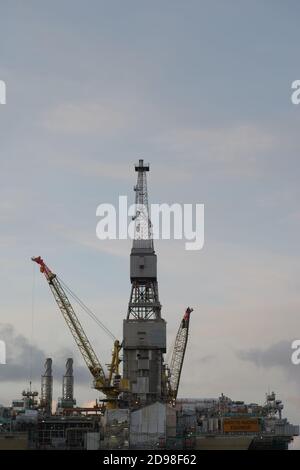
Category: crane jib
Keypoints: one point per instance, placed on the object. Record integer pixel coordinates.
(101, 382)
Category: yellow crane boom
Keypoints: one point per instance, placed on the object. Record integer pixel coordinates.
(103, 383)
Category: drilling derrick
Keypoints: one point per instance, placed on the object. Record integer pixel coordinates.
(144, 331)
(47, 388)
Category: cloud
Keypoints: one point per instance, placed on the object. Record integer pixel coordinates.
(206, 359)
(116, 169)
(277, 355)
(25, 360)
(88, 167)
(235, 150)
(88, 239)
(85, 119)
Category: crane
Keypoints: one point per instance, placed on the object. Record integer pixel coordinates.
(110, 385)
(178, 354)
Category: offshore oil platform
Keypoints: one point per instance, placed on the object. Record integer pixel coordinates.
(140, 408)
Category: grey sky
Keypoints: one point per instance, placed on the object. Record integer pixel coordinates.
(19, 349)
(201, 89)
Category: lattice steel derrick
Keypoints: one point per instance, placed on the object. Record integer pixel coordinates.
(144, 302)
(143, 226)
(144, 331)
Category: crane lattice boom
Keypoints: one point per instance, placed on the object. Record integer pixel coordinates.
(178, 355)
(84, 345)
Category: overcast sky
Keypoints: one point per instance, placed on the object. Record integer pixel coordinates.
(201, 90)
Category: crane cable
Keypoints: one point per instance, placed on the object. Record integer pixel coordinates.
(32, 324)
(87, 309)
